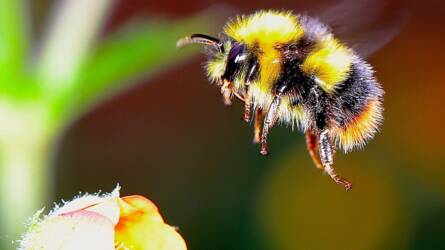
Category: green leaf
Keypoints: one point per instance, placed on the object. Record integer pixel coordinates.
(138, 50)
(13, 39)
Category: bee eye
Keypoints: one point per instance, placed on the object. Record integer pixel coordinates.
(236, 52)
(236, 56)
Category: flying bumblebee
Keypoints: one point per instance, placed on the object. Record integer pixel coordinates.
(291, 68)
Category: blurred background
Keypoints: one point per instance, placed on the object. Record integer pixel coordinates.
(126, 107)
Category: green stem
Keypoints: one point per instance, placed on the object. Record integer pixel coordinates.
(65, 48)
(25, 173)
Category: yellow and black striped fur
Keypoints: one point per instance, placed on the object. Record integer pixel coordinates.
(291, 69)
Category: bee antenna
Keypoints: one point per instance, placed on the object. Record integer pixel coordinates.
(200, 39)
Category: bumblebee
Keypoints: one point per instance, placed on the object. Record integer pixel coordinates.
(291, 69)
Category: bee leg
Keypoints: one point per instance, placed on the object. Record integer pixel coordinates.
(271, 118)
(326, 157)
(257, 129)
(226, 91)
(312, 147)
(252, 71)
(247, 104)
(238, 96)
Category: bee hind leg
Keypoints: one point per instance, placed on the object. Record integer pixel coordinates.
(312, 147)
(269, 122)
(326, 158)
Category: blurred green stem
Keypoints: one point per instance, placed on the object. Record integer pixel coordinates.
(65, 48)
(25, 147)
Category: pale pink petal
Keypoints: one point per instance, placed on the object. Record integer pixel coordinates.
(72, 231)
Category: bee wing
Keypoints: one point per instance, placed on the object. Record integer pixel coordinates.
(365, 25)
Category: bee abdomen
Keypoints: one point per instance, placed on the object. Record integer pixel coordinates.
(357, 107)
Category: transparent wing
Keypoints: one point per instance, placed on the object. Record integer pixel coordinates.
(365, 25)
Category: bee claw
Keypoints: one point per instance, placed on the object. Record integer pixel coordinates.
(341, 181)
(227, 102)
(264, 150)
(245, 118)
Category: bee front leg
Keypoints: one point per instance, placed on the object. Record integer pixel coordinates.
(226, 91)
(269, 122)
(327, 159)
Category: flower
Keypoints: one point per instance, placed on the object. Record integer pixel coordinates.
(105, 222)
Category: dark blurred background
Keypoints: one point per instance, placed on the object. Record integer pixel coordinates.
(171, 139)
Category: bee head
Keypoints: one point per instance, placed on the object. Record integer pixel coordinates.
(226, 57)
